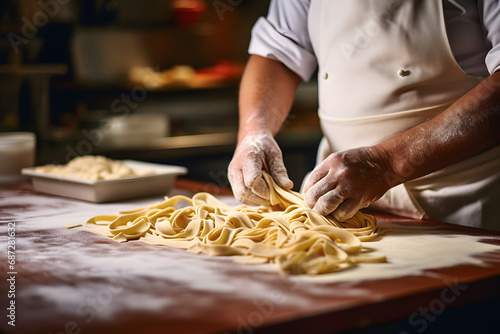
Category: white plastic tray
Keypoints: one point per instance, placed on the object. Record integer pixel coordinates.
(109, 190)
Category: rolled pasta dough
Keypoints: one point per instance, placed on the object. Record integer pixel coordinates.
(287, 233)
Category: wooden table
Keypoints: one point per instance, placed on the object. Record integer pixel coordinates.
(73, 281)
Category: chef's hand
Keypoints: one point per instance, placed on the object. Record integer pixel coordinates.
(346, 182)
(256, 152)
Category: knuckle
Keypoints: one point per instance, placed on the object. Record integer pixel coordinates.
(339, 215)
(311, 198)
(239, 197)
(311, 203)
(342, 173)
(324, 206)
(334, 196)
(253, 180)
(231, 173)
(320, 207)
(277, 166)
(347, 210)
(329, 202)
(311, 180)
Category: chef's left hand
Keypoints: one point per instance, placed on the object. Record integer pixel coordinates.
(346, 182)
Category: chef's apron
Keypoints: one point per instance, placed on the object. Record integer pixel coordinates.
(384, 67)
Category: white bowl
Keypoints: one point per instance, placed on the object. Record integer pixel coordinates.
(17, 151)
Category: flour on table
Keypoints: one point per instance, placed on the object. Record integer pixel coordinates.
(411, 250)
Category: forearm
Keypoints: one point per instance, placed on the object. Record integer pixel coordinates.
(466, 128)
(266, 95)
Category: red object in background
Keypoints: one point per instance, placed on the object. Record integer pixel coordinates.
(225, 69)
(187, 12)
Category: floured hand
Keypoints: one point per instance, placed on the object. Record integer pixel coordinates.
(255, 153)
(346, 182)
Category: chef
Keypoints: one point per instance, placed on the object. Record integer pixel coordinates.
(409, 104)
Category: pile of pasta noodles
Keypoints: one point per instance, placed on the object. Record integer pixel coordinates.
(286, 233)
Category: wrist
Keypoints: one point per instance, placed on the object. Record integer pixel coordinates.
(390, 165)
(251, 134)
(261, 120)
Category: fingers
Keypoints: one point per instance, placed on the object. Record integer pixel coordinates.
(316, 175)
(332, 202)
(347, 209)
(246, 180)
(242, 192)
(252, 176)
(318, 183)
(325, 195)
(323, 198)
(253, 155)
(279, 173)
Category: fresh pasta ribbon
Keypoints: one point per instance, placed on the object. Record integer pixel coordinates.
(286, 233)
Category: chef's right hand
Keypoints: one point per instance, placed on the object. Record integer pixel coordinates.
(255, 153)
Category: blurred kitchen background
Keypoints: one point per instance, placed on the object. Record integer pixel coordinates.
(150, 80)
